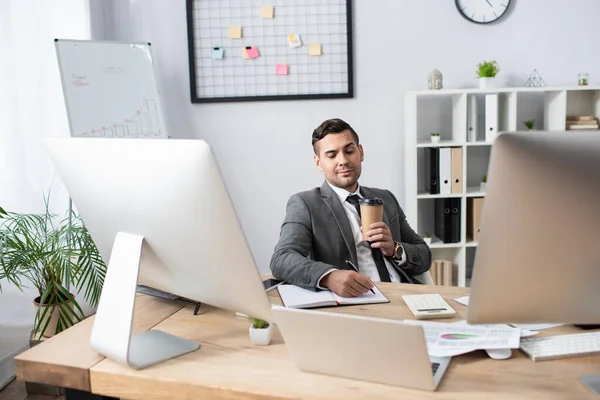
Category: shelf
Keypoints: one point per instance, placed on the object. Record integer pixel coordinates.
(441, 143)
(446, 92)
(479, 143)
(471, 243)
(427, 195)
(474, 191)
(438, 244)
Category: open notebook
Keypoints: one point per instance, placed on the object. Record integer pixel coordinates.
(297, 297)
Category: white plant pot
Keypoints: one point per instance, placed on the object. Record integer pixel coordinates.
(482, 186)
(427, 241)
(261, 337)
(52, 316)
(435, 139)
(487, 83)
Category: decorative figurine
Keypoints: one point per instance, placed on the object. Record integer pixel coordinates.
(535, 80)
(435, 80)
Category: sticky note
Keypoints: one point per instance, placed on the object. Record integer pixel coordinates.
(235, 32)
(266, 12)
(252, 52)
(282, 69)
(217, 53)
(294, 40)
(244, 53)
(314, 49)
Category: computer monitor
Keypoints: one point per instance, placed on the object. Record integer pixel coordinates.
(538, 259)
(160, 212)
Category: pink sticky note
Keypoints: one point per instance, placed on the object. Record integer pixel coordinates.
(252, 52)
(282, 69)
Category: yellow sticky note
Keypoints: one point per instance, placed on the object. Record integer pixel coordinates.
(266, 12)
(292, 38)
(235, 32)
(244, 53)
(314, 49)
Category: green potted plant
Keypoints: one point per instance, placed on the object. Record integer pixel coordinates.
(52, 255)
(260, 331)
(427, 238)
(486, 72)
(483, 183)
(529, 124)
(435, 137)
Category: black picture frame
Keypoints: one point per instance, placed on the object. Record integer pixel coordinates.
(192, 68)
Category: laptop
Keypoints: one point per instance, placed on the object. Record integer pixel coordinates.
(358, 347)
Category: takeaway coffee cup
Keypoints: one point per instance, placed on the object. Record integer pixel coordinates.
(371, 211)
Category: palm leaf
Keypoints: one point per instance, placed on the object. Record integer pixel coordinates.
(52, 255)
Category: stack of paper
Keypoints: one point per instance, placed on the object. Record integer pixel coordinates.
(452, 339)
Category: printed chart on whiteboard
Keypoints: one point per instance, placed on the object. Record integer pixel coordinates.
(110, 89)
(252, 50)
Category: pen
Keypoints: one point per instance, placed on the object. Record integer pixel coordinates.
(356, 269)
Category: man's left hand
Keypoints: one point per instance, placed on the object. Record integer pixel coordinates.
(380, 237)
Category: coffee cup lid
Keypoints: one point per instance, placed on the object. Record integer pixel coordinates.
(370, 201)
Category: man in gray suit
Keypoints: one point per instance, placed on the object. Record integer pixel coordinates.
(321, 231)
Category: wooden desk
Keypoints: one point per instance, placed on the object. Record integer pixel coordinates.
(229, 366)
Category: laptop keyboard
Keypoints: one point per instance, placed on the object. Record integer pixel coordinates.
(434, 367)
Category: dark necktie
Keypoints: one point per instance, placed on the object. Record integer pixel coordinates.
(377, 254)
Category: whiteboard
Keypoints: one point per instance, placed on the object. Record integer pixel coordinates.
(110, 89)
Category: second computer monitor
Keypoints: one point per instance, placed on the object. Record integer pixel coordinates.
(538, 258)
(157, 208)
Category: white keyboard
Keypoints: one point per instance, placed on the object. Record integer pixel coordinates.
(561, 346)
(426, 306)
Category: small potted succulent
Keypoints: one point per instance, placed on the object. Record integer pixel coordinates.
(260, 331)
(486, 72)
(529, 124)
(435, 137)
(483, 183)
(427, 238)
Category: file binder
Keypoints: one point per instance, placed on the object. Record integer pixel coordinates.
(457, 169)
(455, 220)
(474, 209)
(439, 272)
(447, 267)
(472, 119)
(445, 171)
(433, 271)
(491, 117)
(433, 179)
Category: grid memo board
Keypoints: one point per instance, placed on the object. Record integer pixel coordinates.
(261, 63)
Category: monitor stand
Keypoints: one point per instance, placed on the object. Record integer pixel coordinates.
(592, 382)
(112, 330)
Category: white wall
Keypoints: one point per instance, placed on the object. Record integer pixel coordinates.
(263, 148)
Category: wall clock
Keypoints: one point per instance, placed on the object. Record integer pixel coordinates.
(482, 11)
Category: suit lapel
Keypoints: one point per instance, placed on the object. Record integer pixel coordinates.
(333, 203)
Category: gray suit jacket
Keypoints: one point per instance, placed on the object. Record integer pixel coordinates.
(316, 236)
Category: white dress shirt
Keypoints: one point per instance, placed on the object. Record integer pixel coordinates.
(366, 263)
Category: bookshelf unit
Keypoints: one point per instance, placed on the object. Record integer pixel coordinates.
(462, 117)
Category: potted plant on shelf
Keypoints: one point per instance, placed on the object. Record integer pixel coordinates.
(486, 72)
(529, 124)
(52, 255)
(435, 137)
(427, 238)
(260, 331)
(483, 183)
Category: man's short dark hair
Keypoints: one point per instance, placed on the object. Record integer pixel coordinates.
(334, 125)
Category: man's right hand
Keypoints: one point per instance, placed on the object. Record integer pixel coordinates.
(347, 283)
